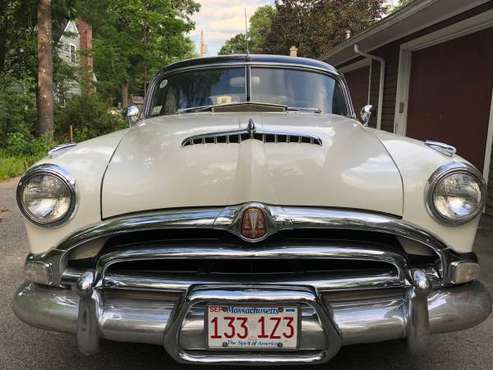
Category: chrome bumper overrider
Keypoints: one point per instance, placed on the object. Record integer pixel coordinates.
(337, 308)
(177, 321)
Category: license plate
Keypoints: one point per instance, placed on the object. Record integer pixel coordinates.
(252, 327)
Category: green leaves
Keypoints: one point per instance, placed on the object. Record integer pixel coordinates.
(260, 26)
(313, 26)
(235, 45)
(316, 26)
(136, 38)
(89, 117)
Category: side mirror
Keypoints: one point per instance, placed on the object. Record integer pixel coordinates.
(132, 115)
(365, 114)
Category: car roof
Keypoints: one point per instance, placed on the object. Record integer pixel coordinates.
(251, 58)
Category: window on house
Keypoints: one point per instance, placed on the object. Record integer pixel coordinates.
(73, 54)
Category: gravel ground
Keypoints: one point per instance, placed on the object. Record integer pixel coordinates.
(23, 347)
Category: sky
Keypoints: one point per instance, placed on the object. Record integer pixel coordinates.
(222, 19)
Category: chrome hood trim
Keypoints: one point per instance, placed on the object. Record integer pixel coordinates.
(282, 218)
(251, 132)
(227, 218)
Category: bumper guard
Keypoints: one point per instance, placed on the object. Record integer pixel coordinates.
(159, 318)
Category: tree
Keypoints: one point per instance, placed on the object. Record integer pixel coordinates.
(45, 99)
(235, 45)
(133, 39)
(20, 39)
(316, 26)
(18, 33)
(260, 24)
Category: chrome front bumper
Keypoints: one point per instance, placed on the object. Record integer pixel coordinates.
(176, 320)
(337, 307)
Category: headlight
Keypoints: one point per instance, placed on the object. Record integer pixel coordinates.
(456, 193)
(46, 195)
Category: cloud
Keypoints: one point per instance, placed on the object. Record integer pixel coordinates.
(221, 20)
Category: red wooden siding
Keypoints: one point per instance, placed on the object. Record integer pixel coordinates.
(450, 94)
(358, 86)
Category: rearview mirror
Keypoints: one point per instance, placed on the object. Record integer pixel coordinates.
(365, 114)
(132, 115)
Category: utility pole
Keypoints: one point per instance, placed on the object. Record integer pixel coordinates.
(203, 46)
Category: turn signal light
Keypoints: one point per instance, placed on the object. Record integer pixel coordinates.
(38, 272)
(464, 272)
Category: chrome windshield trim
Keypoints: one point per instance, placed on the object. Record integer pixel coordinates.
(332, 73)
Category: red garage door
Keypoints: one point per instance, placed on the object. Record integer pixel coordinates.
(450, 94)
(357, 81)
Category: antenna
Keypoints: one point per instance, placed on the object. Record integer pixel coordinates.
(246, 33)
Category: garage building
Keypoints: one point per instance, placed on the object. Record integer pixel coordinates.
(428, 69)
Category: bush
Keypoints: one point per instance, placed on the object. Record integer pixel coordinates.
(17, 108)
(20, 152)
(19, 144)
(12, 166)
(89, 117)
(19, 149)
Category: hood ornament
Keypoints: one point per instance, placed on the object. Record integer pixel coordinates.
(251, 127)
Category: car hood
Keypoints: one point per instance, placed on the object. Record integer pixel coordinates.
(151, 169)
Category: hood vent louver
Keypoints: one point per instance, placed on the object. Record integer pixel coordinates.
(251, 133)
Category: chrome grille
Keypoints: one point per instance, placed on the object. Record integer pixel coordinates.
(236, 138)
(251, 133)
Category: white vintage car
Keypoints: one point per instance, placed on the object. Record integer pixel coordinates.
(247, 217)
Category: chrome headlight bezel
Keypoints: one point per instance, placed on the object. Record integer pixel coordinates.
(440, 174)
(61, 174)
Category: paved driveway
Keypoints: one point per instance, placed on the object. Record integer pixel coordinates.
(23, 347)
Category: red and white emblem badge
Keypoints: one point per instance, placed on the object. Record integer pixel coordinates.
(253, 223)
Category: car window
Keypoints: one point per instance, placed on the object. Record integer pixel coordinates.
(199, 88)
(296, 88)
(291, 88)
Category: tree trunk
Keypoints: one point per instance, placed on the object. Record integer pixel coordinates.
(45, 70)
(125, 95)
(145, 80)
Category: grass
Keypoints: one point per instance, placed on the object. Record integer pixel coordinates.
(12, 166)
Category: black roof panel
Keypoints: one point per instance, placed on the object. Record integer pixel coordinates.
(261, 58)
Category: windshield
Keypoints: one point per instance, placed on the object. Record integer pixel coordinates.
(205, 89)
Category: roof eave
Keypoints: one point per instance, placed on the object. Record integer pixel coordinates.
(387, 30)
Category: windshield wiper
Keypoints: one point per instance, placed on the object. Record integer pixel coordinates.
(202, 108)
(304, 109)
(199, 108)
